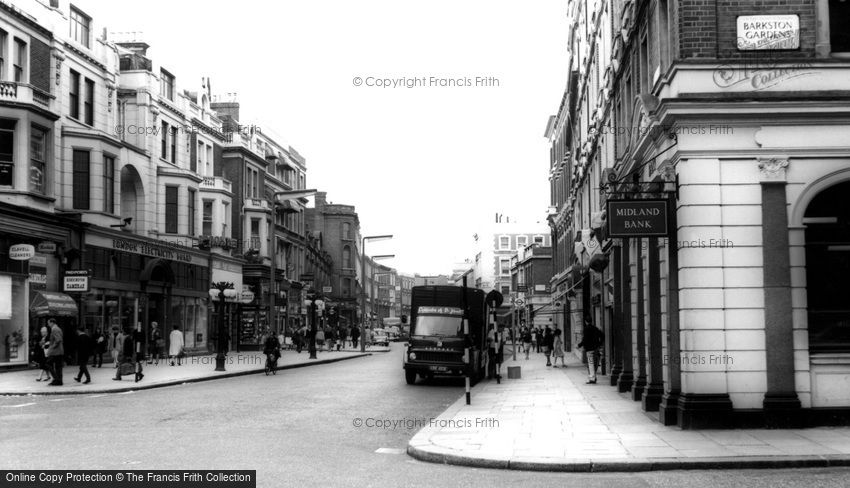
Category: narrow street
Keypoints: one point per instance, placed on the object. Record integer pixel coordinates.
(305, 417)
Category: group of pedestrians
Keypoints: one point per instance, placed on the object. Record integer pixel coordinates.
(127, 349)
(329, 338)
(552, 345)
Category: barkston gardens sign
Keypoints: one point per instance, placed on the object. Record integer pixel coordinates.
(637, 218)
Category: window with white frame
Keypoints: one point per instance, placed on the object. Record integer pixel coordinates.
(166, 84)
(80, 27)
(38, 159)
(3, 36)
(505, 266)
(207, 219)
(521, 241)
(504, 243)
(19, 60)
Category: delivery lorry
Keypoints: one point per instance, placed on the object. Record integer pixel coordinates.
(438, 342)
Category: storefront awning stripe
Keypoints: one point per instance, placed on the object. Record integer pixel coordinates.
(50, 303)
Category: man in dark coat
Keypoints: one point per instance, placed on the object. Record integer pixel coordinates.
(56, 352)
(592, 339)
(548, 345)
(355, 336)
(100, 342)
(85, 348)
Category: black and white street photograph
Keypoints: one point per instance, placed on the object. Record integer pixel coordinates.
(445, 243)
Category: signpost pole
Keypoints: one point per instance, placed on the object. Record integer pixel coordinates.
(467, 353)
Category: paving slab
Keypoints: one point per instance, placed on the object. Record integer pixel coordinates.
(550, 420)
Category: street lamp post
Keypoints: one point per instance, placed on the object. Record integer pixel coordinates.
(221, 290)
(363, 288)
(273, 252)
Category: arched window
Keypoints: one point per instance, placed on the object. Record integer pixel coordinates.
(346, 257)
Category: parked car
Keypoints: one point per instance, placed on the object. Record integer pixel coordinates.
(380, 337)
(393, 332)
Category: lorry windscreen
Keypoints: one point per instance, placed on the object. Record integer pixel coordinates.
(438, 325)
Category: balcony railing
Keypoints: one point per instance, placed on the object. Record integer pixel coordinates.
(216, 183)
(22, 92)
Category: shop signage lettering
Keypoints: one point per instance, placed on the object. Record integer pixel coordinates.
(21, 252)
(637, 218)
(767, 32)
(153, 250)
(47, 247)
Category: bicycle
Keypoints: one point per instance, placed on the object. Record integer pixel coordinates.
(271, 364)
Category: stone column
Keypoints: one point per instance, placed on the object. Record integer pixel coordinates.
(624, 290)
(668, 409)
(639, 322)
(655, 381)
(781, 405)
(616, 326)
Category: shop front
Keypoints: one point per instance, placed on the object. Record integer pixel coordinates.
(35, 249)
(229, 270)
(148, 283)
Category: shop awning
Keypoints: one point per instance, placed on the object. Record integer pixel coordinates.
(50, 303)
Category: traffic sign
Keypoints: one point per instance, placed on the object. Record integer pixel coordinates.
(519, 302)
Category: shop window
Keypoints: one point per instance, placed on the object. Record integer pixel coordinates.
(14, 320)
(7, 152)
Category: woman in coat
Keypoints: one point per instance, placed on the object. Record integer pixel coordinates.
(175, 347)
(41, 357)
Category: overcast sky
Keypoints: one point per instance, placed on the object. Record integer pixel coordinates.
(428, 164)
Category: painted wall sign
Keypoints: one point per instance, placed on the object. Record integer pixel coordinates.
(768, 32)
(21, 252)
(637, 218)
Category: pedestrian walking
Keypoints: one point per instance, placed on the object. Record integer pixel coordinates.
(85, 348)
(526, 341)
(558, 349)
(100, 342)
(116, 342)
(535, 339)
(320, 338)
(355, 336)
(330, 338)
(139, 349)
(592, 338)
(175, 346)
(548, 342)
(40, 355)
(156, 344)
(281, 339)
(128, 358)
(55, 352)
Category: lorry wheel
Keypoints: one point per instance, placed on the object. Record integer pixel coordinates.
(409, 376)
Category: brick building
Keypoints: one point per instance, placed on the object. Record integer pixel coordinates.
(726, 115)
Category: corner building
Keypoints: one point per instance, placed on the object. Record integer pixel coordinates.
(735, 117)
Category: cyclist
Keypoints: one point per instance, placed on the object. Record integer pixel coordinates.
(271, 349)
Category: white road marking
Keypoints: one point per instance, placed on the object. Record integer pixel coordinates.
(95, 396)
(19, 406)
(125, 392)
(390, 450)
(58, 400)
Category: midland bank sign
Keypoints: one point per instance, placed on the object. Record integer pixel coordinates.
(637, 218)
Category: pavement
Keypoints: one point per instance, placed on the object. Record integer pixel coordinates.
(550, 420)
(192, 369)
